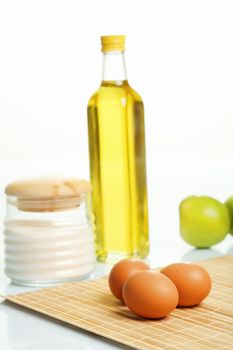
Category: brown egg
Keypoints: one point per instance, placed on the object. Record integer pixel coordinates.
(150, 294)
(192, 282)
(121, 271)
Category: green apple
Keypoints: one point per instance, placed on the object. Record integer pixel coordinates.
(229, 204)
(204, 221)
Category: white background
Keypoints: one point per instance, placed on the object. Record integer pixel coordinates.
(179, 58)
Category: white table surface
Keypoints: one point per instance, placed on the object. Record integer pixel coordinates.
(22, 329)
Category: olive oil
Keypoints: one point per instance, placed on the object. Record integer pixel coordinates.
(118, 166)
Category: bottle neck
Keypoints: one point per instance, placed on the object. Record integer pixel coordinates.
(114, 69)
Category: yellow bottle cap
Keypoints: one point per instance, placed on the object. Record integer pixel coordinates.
(113, 43)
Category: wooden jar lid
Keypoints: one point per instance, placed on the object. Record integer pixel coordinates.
(47, 194)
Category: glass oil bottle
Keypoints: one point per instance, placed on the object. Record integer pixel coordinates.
(117, 160)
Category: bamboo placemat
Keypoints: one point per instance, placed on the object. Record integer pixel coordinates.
(90, 306)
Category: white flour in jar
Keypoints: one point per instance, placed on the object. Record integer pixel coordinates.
(48, 251)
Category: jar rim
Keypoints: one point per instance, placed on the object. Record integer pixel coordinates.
(46, 204)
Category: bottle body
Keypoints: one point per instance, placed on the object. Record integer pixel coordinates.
(118, 171)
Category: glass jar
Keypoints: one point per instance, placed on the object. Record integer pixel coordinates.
(48, 232)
